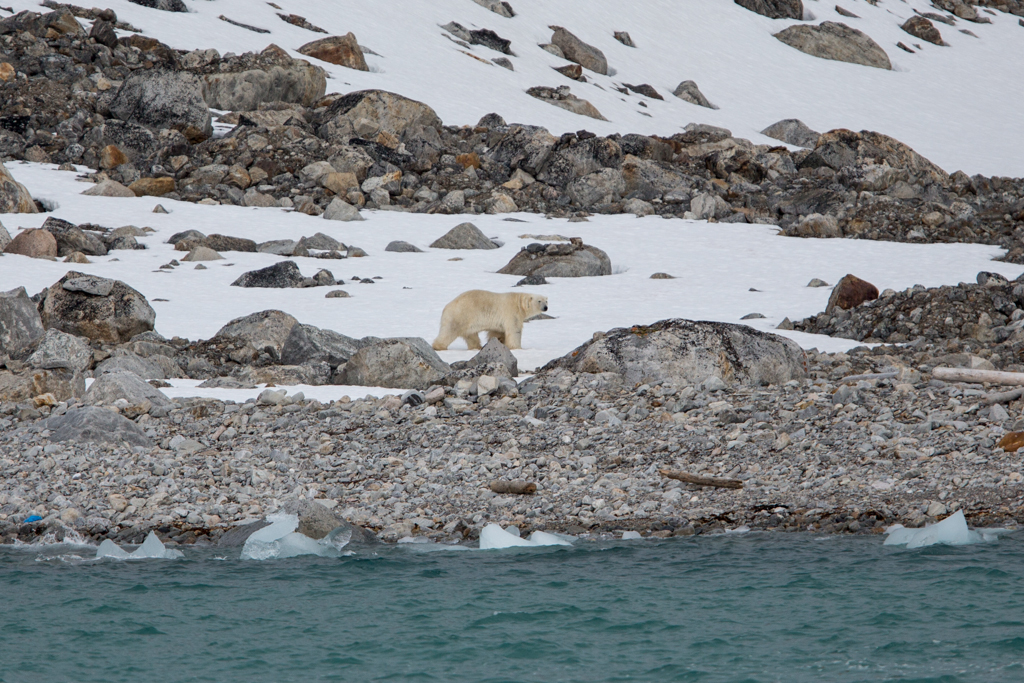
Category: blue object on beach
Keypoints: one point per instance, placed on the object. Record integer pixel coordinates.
(32, 518)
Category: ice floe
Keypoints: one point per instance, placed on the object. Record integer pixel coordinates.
(151, 548)
(493, 537)
(950, 531)
(279, 540)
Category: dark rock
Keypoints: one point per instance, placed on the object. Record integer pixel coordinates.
(20, 324)
(95, 425)
(840, 148)
(463, 236)
(114, 317)
(485, 37)
(851, 292)
(308, 344)
(70, 238)
(646, 90)
(279, 275)
(560, 260)
(404, 247)
(775, 9)
(103, 33)
(922, 28)
(532, 280)
(236, 537)
(403, 363)
(159, 98)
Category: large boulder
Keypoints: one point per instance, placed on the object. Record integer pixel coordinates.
(33, 243)
(837, 41)
(59, 349)
(841, 148)
(775, 9)
(688, 91)
(23, 386)
(97, 308)
(403, 363)
(680, 351)
(921, 27)
(463, 236)
(366, 114)
(271, 76)
(96, 425)
(262, 331)
(575, 50)
(280, 275)
(341, 50)
(562, 97)
(850, 292)
(559, 260)
(111, 386)
(308, 344)
(159, 98)
(133, 363)
(524, 148)
(14, 197)
(316, 521)
(575, 161)
(20, 325)
(70, 238)
(793, 132)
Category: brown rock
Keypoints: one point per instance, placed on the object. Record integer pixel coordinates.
(339, 183)
(111, 156)
(341, 50)
(14, 197)
(573, 71)
(1011, 442)
(152, 187)
(77, 257)
(23, 386)
(922, 28)
(7, 72)
(851, 292)
(33, 243)
(467, 160)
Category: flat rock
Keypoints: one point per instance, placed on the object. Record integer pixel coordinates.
(280, 275)
(95, 425)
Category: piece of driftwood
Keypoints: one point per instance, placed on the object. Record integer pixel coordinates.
(702, 481)
(1003, 397)
(979, 376)
(521, 488)
(871, 375)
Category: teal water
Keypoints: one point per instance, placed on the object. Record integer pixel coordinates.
(752, 608)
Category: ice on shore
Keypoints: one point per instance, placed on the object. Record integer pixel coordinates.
(631, 535)
(493, 537)
(151, 549)
(950, 531)
(280, 540)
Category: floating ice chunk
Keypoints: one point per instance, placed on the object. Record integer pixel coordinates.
(339, 537)
(295, 544)
(544, 538)
(281, 524)
(493, 537)
(514, 530)
(631, 535)
(739, 530)
(151, 549)
(414, 539)
(110, 549)
(950, 531)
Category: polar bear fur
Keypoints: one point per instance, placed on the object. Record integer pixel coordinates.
(500, 315)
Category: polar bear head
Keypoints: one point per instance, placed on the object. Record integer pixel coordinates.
(538, 304)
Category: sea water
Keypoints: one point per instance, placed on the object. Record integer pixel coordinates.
(753, 607)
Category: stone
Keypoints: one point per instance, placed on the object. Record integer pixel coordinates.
(638, 207)
(573, 71)
(851, 292)
(463, 236)
(563, 98)
(365, 113)
(77, 257)
(165, 5)
(688, 91)
(7, 72)
(921, 27)
(836, 41)
(58, 349)
(5, 237)
(1011, 442)
(842, 148)
(307, 344)
(575, 50)
(70, 238)
(501, 203)
(35, 243)
(202, 253)
(402, 363)
(95, 425)
(145, 368)
(495, 353)
(559, 260)
(454, 202)
(90, 284)
(340, 210)
(22, 386)
(316, 522)
(484, 36)
(337, 294)
(338, 183)
(279, 275)
(281, 248)
(623, 37)
(775, 9)
(793, 132)
(602, 187)
(110, 386)
(115, 317)
(152, 187)
(817, 225)
(159, 98)
(108, 188)
(498, 7)
(816, 282)
(226, 243)
(341, 50)
(682, 352)
(111, 157)
(14, 197)
(274, 77)
(404, 247)
(936, 509)
(524, 148)
(259, 331)
(20, 324)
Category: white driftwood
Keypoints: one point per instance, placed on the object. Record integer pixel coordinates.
(1004, 397)
(851, 379)
(979, 376)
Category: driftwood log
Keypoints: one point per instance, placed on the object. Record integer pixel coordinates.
(979, 376)
(871, 375)
(702, 481)
(522, 488)
(1004, 397)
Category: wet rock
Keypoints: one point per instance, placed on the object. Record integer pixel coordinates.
(775, 9)
(851, 292)
(114, 317)
(575, 50)
(95, 425)
(14, 197)
(58, 349)
(559, 260)
(793, 132)
(279, 275)
(463, 236)
(20, 325)
(111, 386)
(404, 363)
(688, 91)
(36, 243)
(836, 41)
(159, 98)
(341, 50)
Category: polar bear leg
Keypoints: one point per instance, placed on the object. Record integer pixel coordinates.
(472, 341)
(494, 334)
(446, 336)
(514, 336)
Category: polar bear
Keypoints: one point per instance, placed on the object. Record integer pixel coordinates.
(500, 315)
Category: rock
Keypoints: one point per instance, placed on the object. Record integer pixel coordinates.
(108, 188)
(573, 71)
(95, 425)
(316, 521)
(265, 330)
(638, 207)
(524, 148)
(307, 344)
(237, 536)
(498, 7)
(603, 187)
(662, 276)
(793, 132)
(130, 362)
(495, 353)
(559, 260)
(340, 210)
(837, 41)
(337, 294)
(463, 236)
(186, 235)
(111, 386)
(77, 257)
(152, 187)
(115, 317)
(36, 243)
(815, 282)
(921, 27)
(272, 77)
(680, 352)
(23, 386)
(841, 148)
(405, 247)
(454, 202)
(279, 275)
(688, 90)
(341, 50)
(5, 237)
(58, 349)
(817, 225)
(281, 248)
(851, 292)
(775, 9)
(202, 253)
(403, 363)
(111, 157)
(623, 37)
(70, 238)
(366, 113)
(158, 98)
(1011, 442)
(561, 97)
(321, 242)
(20, 325)
(485, 37)
(226, 243)
(14, 197)
(165, 5)
(339, 183)
(313, 374)
(575, 50)
(501, 203)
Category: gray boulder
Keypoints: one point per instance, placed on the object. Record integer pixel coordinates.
(404, 247)
(835, 40)
(559, 260)
(688, 91)
(463, 236)
(265, 330)
(402, 363)
(275, 77)
(793, 132)
(681, 352)
(20, 324)
(77, 305)
(775, 9)
(308, 344)
(321, 242)
(563, 98)
(14, 197)
(23, 386)
(165, 5)
(130, 362)
(494, 353)
(316, 521)
(111, 386)
(96, 425)
(526, 148)
(159, 98)
(70, 238)
(340, 210)
(280, 275)
(61, 350)
(603, 187)
(498, 7)
(575, 50)
(366, 113)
